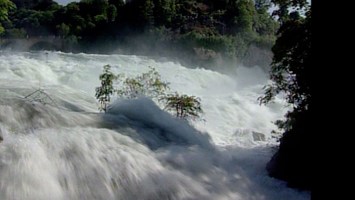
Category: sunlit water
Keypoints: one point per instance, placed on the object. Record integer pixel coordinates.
(63, 148)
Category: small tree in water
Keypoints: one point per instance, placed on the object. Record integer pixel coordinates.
(106, 89)
(184, 106)
(148, 84)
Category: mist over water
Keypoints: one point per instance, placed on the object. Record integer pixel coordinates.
(66, 149)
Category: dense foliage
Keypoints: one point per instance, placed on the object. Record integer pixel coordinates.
(204, 31)
(5, 6)
(290, 75)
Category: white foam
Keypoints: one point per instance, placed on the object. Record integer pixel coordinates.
(66, 149)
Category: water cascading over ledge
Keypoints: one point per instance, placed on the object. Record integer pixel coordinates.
(66, 149)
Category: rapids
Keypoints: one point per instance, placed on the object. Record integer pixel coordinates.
(63, 148)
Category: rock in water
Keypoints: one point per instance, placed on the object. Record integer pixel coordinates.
(258, 136)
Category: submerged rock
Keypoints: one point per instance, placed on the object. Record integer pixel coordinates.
(258, 136)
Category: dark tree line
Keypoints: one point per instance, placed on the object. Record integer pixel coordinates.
(209, 29)
(291, 75)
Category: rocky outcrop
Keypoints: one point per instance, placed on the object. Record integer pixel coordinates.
(257, 56)
(294, 160)
(206, 54)
(258, 136)
(37, 43)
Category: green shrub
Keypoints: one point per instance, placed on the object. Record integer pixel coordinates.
(183, 106)
(147, 84)
(106, 89)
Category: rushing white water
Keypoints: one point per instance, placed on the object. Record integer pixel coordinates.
(65, 149)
